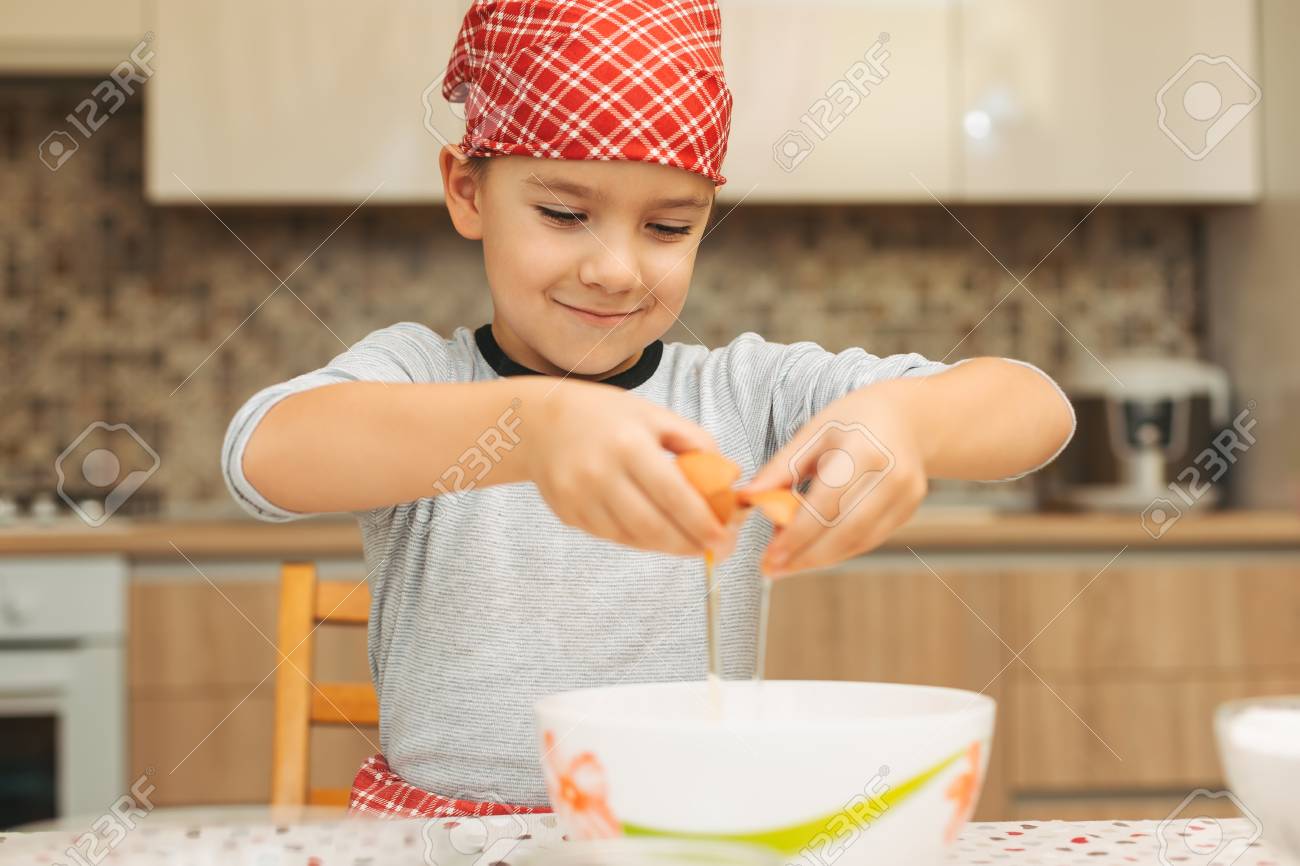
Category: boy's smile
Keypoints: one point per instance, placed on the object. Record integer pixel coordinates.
(588, 261)
(600, 318)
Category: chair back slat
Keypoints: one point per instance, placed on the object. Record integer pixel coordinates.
(300, 702)
(344, 704)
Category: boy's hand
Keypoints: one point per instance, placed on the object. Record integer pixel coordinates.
(868, 477)
(598, 458)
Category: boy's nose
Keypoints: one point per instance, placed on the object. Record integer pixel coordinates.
(610, 266)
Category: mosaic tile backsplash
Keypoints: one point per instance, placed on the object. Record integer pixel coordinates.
(117, 311)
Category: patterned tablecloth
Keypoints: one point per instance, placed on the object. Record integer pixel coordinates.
(508, 841)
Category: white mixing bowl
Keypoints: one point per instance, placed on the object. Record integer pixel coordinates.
(1259, 745)
(858, 773)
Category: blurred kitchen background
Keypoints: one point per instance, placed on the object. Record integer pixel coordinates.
(895, 168)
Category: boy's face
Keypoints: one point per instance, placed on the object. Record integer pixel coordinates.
(588, 261)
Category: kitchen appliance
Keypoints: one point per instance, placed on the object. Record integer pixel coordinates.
(1144, 424)
(62, 686)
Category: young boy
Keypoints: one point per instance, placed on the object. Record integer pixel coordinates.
(525, 525)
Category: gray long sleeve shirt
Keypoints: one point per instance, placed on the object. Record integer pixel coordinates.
(483, 601)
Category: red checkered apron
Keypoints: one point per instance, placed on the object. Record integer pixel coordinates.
(379, 792)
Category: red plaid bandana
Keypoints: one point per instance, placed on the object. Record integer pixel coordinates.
(378, 791)
(583, 79)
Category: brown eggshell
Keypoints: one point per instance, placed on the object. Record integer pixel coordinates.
(778, 505)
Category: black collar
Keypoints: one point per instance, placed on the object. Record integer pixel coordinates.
(504, 365)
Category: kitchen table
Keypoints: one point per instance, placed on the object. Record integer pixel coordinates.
(508, 840)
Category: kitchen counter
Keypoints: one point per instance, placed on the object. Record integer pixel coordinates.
(948, 529)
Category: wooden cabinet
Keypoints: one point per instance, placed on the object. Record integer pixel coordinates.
(1143, 733)
(1171, 615)
(838, 101)
(1111, 715)
(897, 623)
(1059, 100)
(892, 624)
(72, 37)
(202, 670)
(1133, 660)
(298, 101)
(1152, 807)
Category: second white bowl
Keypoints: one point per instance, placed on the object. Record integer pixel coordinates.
(1259, 744)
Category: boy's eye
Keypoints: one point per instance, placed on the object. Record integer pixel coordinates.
(563, 216)
(676, 231)
(568, 218)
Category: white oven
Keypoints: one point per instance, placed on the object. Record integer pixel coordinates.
(62, 686)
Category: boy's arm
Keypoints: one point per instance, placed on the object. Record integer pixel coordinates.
(869, 454)
(354, 446)
(596, 453)
(986, 419)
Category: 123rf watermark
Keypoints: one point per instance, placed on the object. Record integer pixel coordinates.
(1188, 836)
(826, 114)
(848, 824)
(837, 470)
(476, 461)
(1204, 101)
(1190, 485)
(103, 467)
(109, 830)
(491, 110)
(105, 99)
(480, 840)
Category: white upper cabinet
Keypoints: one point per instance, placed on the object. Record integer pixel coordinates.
(838, 100)
(327, 101)
(1059, 100)
(298, 101)
(70, 37)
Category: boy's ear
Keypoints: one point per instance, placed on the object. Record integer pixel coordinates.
(462, 192)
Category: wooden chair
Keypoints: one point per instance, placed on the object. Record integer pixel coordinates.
(305, 603)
